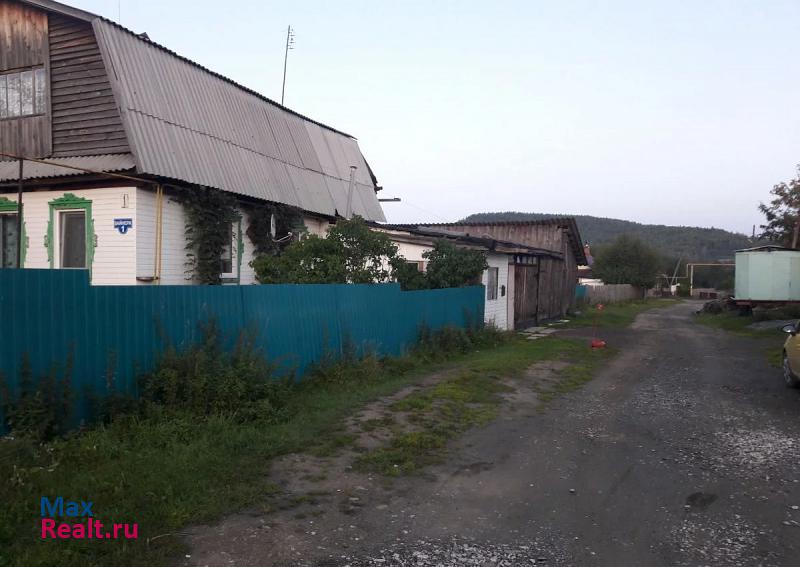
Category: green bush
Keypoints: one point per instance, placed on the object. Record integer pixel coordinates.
(205, 380)
(448, 341)
(41, 408)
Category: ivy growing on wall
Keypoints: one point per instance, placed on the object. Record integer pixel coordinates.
(287, 219)
(209, 214)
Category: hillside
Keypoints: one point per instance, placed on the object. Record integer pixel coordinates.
(692, 243)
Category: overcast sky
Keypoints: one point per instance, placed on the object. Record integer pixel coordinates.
(659, 112)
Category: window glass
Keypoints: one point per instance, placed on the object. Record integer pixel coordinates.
(491, 283)
(14, 106)
(8, 241)
(226, 260)
(26, 92)
(23, 93)
(40, 90)
(72, 239)
(3, 97)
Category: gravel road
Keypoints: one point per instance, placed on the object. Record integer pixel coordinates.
(684, 450)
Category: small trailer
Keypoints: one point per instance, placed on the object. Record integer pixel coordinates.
(766, 276)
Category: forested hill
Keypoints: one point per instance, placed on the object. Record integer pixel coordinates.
(691, 243)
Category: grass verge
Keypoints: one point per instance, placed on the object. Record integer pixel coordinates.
(165, 472)
(617, 315)
(472, 397)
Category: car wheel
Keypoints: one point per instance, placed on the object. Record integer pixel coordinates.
(788, 376)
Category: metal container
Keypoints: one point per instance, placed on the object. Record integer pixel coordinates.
(768, 273)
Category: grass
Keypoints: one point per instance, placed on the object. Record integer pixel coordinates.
(472, 397)
(733, 322)
(166, 473)
(617, 315)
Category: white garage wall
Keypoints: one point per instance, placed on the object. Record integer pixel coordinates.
(496, 310)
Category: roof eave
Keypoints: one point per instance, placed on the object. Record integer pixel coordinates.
(60, 8)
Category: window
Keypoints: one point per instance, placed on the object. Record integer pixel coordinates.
(419, 265)
(229, 261)
(491, 283)
(226, 260)
(8, 241)
(23, 93)
(72, 239)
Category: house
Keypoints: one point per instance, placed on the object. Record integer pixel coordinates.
(501, 256)
(117, 131)
(543, 284)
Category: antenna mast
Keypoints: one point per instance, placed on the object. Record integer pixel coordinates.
(289, 45)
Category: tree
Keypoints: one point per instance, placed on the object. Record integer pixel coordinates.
(783, 213)
(451, 266)
(352, 253)
(627, 260)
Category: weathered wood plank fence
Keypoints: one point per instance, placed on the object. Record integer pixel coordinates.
(612, 293)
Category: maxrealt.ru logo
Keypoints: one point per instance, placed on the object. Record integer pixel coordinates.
(70, 524)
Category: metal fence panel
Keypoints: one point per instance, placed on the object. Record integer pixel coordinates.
(51, 316)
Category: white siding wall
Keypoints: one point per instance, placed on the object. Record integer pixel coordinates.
(173, 246)
(316, 226)
(496, 310)
(173, 241)
(115, 254)
(412, 251)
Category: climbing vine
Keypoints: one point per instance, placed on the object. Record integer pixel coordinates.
(209, 214)
(287, 219)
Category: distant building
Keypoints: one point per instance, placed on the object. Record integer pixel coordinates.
(543, 282)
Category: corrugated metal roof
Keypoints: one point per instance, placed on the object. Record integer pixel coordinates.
(9, 170)
(187, 123)
(567, 222)
(768, 248)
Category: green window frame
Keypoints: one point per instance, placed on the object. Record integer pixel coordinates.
(8, 206)
(70, 202)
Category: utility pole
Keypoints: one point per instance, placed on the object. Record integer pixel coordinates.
(289, 45)
(348, 214)
(20, 190)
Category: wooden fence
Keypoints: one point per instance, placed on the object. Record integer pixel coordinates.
(614, 293)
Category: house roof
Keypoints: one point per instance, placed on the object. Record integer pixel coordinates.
(187, 123)
(486, 243)
(9, 170)
(569, 223)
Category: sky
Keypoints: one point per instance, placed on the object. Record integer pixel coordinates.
(679, 113)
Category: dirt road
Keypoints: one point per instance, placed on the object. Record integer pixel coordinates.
(684, 450)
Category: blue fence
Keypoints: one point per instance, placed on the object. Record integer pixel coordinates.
(52, 315)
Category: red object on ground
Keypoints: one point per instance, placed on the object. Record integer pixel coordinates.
(597, 343)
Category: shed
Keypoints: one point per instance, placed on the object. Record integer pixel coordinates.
(767, 274)
(544, 287)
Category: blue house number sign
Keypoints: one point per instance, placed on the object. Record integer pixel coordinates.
(123, 225)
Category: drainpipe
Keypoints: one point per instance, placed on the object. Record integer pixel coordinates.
(20, 188)
(159, 232)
